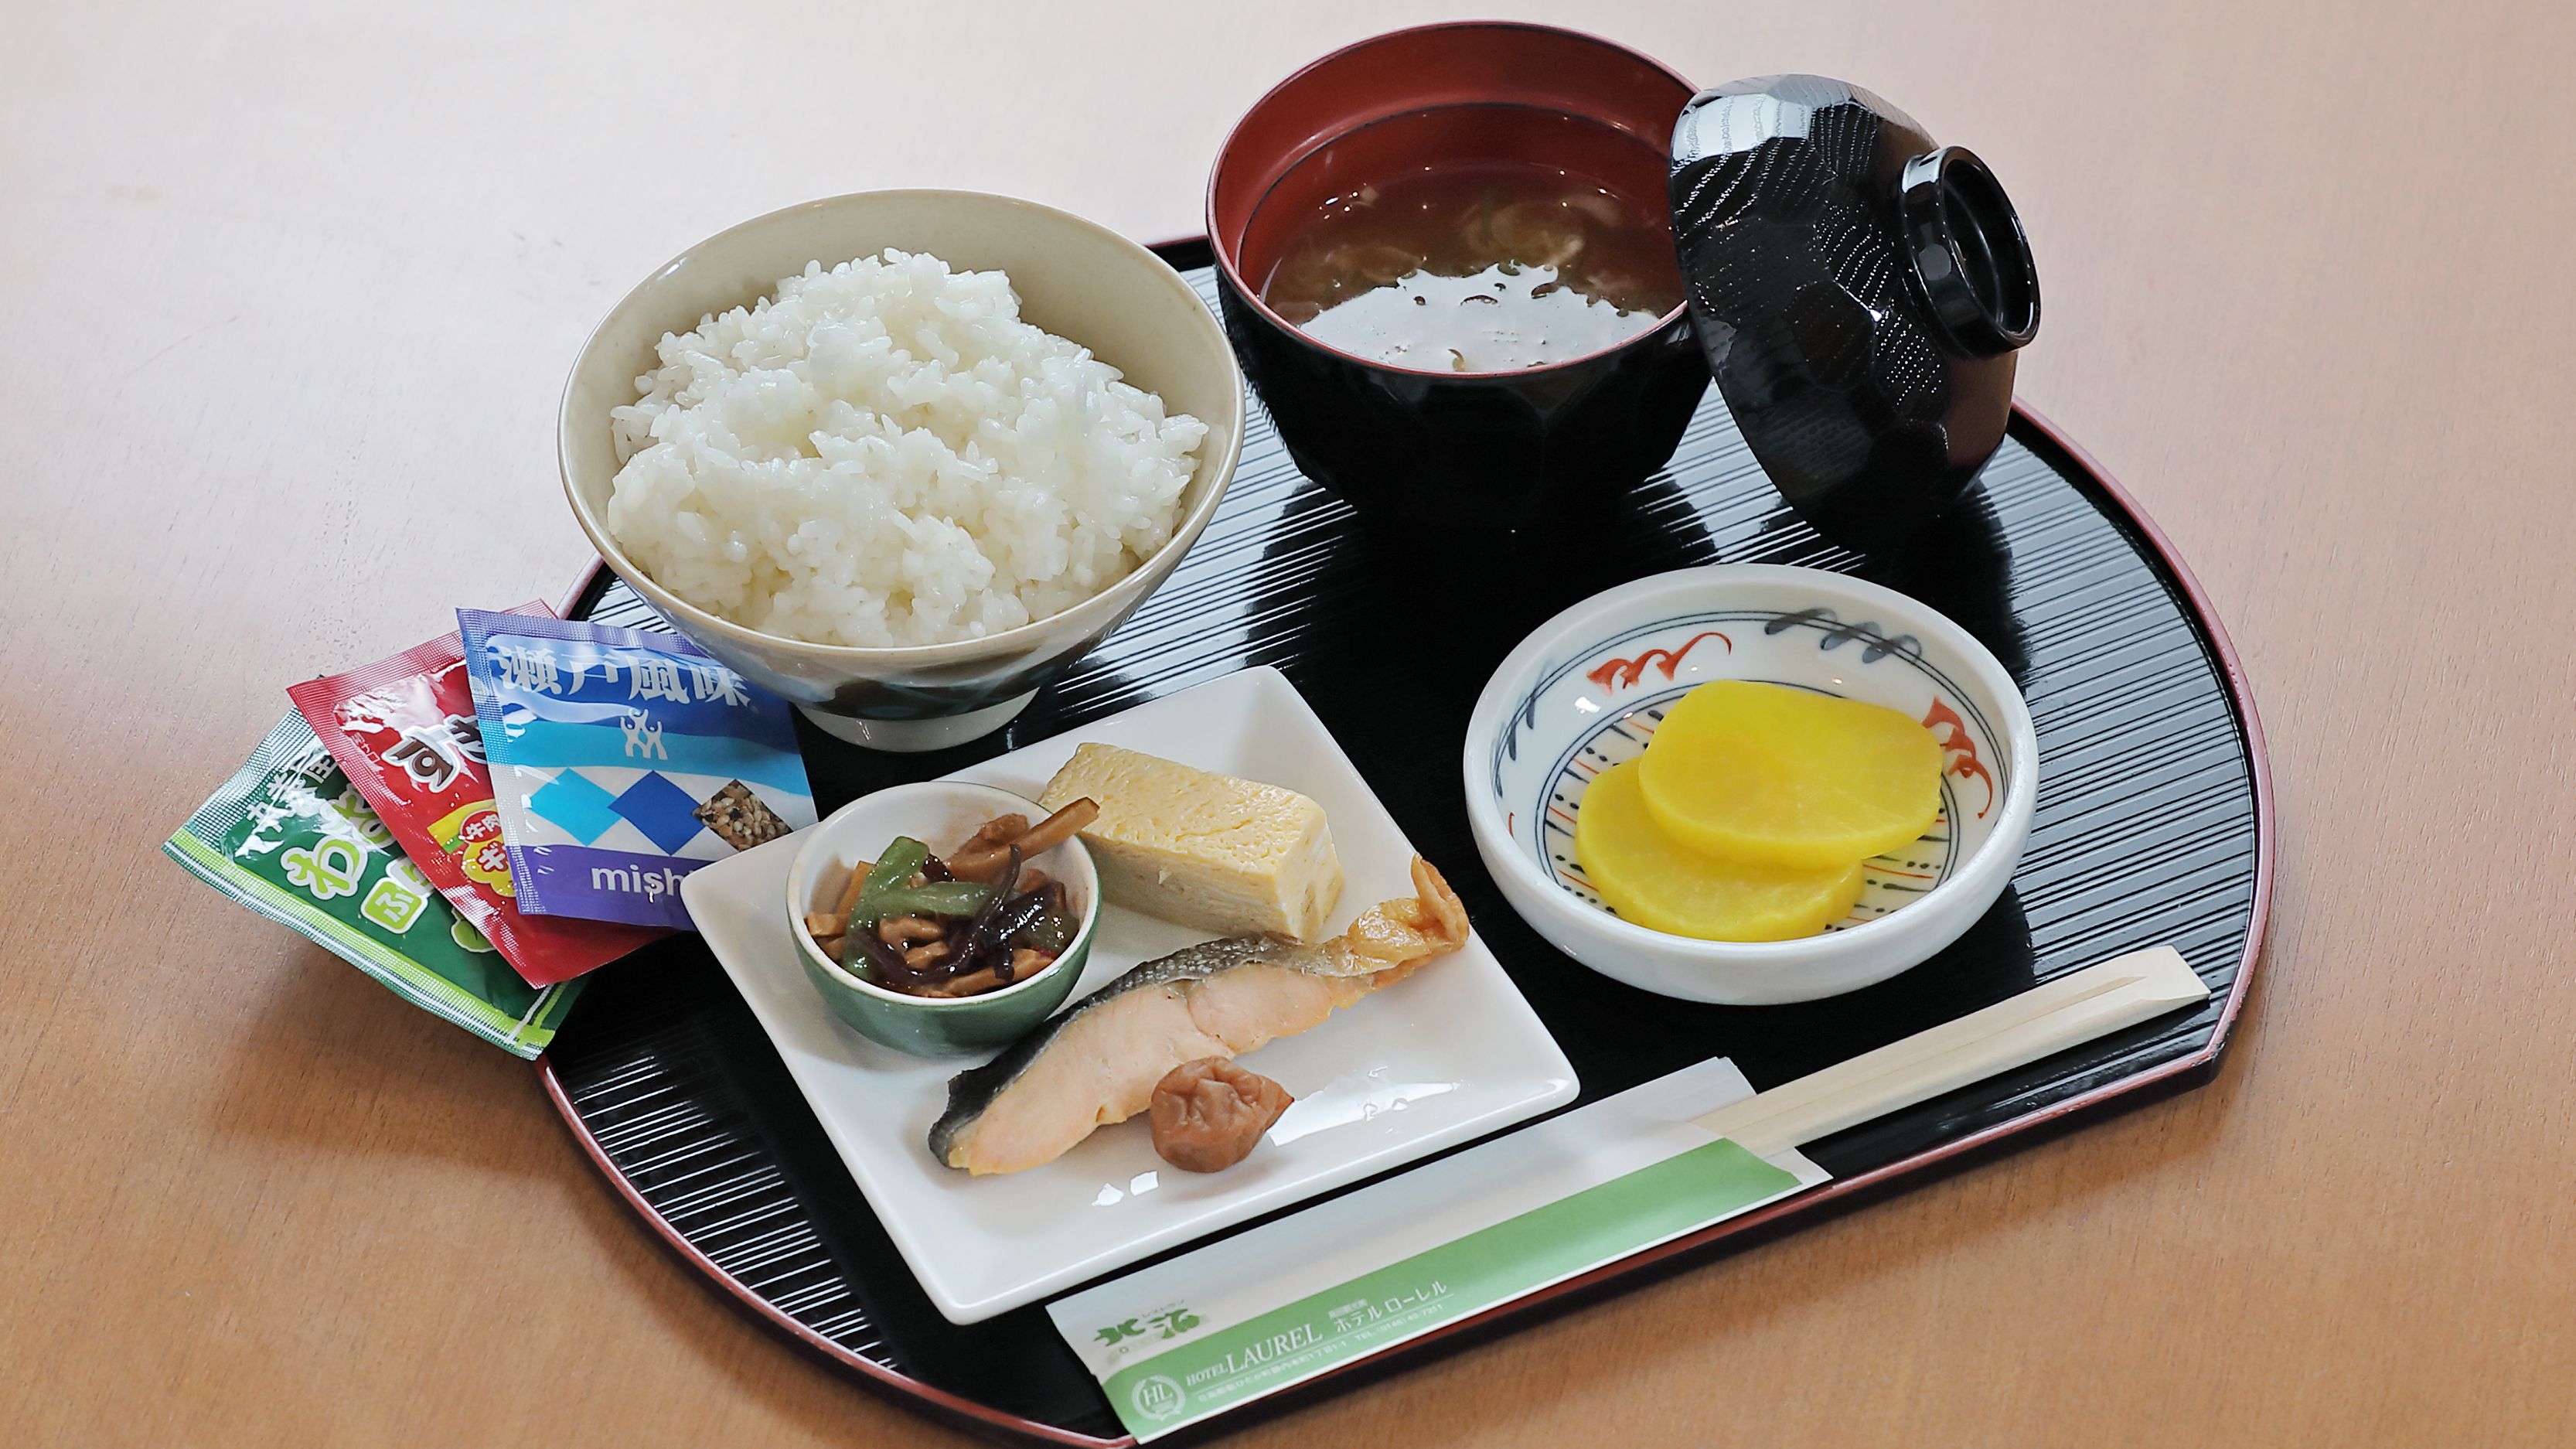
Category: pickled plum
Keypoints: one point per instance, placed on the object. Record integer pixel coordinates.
(1209, 1114)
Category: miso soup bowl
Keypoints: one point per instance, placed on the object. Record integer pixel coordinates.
(1588, 688)
(1075, 278)
(1484, 453)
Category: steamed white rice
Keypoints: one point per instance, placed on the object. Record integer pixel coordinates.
(885, 454)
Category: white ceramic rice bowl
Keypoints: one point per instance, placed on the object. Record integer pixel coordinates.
(1074, 278)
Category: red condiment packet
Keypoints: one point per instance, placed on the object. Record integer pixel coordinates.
(404, 731)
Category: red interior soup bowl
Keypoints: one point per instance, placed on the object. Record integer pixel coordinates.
(1446, 261)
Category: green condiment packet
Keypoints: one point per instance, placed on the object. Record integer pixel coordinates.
(290, 838)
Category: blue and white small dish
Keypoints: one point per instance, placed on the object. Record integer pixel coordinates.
(1586, 690)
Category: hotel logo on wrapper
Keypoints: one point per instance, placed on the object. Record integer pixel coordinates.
(1157, 1397)
(622, 760)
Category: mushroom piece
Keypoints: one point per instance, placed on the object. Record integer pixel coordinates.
(1209, 1114)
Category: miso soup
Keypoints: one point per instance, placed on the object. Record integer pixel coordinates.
(1483, 265)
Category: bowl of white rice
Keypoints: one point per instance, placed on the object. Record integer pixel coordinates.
(903, 457)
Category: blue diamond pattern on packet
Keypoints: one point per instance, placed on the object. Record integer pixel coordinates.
(622, 760)
(576, 804)
(659, 809)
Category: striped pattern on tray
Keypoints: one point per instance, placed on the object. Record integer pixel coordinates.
(2145, 834)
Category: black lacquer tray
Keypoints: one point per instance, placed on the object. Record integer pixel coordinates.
(2154, 826)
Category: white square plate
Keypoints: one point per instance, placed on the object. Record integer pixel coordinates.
(1446, 1056)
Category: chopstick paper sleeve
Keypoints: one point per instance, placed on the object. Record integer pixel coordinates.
(1260, 1311)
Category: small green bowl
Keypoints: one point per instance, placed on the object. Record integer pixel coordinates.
(939, 813)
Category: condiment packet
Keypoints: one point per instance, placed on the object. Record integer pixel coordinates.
(623, 760)
(405, 732)
(290, 837)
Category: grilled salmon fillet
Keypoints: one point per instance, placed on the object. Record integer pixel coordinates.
(1096, 1063)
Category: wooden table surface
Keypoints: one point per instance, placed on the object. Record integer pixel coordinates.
(289, 293)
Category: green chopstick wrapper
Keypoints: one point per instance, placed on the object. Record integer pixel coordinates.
(289, 837)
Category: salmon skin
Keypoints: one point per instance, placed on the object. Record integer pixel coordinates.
(1096, 1063)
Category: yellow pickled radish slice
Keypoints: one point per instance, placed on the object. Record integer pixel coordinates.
(1777, 776)
(1649, 879)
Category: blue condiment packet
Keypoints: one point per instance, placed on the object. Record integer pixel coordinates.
(622, 760)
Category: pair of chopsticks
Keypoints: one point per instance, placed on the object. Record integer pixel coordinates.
(2073, 1009)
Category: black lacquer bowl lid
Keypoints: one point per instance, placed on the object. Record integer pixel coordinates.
(1859, 292)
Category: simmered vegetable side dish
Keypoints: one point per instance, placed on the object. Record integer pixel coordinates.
(977, 921)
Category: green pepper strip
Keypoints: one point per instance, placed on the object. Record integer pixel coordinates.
(902, 858)
(1050, 932)
(938, 898)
